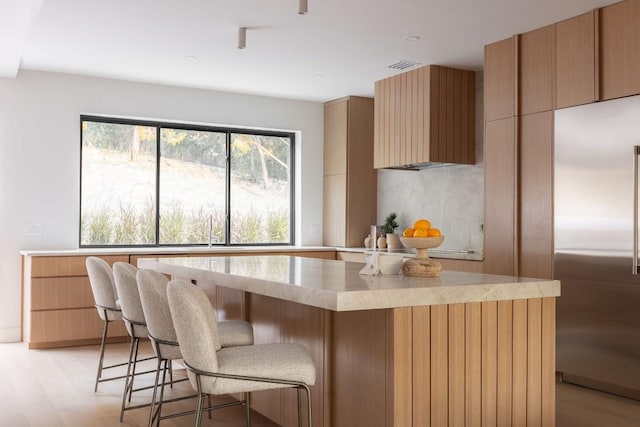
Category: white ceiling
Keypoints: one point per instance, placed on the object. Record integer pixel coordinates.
(341, 47)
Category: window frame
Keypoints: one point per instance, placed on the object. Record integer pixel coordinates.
(227, 130)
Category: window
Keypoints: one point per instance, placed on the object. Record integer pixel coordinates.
(151, 184)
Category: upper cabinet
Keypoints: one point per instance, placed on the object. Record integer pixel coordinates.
(620, 50)
(537, 64)
(499, 80)
(576, 70)
(425, 115)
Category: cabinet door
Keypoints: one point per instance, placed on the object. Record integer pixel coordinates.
(335, 137)
(537, 70)
(620, 50)
(335, 208)
(362, 178)
(576, 61)
(536, 195)
(500, 194)
(499, 80)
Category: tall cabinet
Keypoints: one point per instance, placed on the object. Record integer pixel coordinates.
(350, 181)
(591, 57)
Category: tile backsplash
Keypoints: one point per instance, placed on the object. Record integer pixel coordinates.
(451, 197)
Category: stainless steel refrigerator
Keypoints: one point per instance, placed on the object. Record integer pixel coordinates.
(596, 245)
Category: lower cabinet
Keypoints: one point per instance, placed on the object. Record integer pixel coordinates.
(58, 307)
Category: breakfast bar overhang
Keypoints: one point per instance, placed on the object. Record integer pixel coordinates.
(459, 349)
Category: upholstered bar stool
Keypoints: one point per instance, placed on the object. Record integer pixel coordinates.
(213, 370)
(134, 320)
(152, 286)
(106, 302)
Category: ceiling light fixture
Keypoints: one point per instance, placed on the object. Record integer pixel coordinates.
(303, 7)
(412, 38)
(242, 37)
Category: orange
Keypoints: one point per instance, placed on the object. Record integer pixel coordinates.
(408, 232)
(421, 232)
(434, 232)
(422, 223)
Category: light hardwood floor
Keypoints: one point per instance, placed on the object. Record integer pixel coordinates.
(55, 388)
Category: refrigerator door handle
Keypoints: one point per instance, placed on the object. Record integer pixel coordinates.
(636, 153)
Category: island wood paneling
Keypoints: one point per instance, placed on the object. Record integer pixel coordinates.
(421, 384)
(537, 70)
(576, 70)
(620, 49)
(490, 363)
(359, 368)
(473, 364)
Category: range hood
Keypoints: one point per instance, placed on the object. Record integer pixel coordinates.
(425, 118)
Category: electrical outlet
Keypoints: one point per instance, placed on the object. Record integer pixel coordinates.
(33, 229)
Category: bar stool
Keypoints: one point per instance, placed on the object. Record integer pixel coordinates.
(152, 287)
(213, 370)
(125, 280)
(108, 306)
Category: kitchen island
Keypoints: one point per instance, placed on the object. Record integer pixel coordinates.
(459, 349)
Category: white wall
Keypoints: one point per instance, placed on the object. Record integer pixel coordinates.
(40, 156)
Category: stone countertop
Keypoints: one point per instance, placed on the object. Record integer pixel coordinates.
(433, 253)
(337, 286)
(175, 250)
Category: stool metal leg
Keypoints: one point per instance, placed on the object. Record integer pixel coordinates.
(101, 361)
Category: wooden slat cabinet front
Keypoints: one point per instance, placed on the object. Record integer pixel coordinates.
(58, 303)
(425, 115)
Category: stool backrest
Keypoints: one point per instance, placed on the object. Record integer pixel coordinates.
(102, 284)
(195, 324)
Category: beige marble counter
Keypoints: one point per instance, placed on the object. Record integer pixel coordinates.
(172, 250)
(337, 286)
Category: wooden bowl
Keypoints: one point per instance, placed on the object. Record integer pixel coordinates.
(422, 265)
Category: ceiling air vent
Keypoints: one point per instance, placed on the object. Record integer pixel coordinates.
(403, 65)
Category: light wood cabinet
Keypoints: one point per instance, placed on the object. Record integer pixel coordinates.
(425, 115)
(350, 181)
(500, 80)
(576, 70)
(58, 304)
(537, 65)
(500, 159)
(536, 195)
(620, 49)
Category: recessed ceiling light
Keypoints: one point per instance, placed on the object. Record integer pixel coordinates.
(191, 58)
(412, 38)
(318, 76)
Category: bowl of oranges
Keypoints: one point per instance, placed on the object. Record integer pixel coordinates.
(421, 237)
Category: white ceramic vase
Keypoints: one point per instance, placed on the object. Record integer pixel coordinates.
(393, 241)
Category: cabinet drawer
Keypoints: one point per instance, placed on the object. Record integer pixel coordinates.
(60, 266)
(61, 292)
(53, 326)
